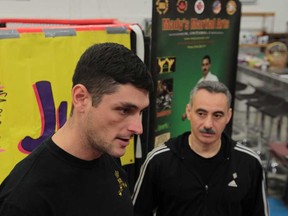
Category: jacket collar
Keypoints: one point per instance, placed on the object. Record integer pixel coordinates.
(177, 144)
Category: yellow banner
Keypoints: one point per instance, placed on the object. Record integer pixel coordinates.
(36, 73)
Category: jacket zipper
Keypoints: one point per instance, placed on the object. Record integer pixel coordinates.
(206, 199)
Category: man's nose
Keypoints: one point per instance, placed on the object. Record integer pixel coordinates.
(136, 125)
(208, 123)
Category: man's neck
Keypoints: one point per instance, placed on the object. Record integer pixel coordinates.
(203, 149)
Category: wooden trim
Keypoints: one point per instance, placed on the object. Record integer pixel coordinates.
(260, 14)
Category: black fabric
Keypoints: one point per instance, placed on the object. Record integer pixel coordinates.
(171, 188)
(51, 182)
(204, 167)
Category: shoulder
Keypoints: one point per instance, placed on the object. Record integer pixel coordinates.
(213, 77)
(169, 151)
(158, 152)
(158, 158)
(247, 153)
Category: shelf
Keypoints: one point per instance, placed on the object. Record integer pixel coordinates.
(264, 16)
(254, 33)
(253, 45)
(259, 14)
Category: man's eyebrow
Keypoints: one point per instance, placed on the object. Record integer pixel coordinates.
(219, 112)
(128, 105)
(201, 110)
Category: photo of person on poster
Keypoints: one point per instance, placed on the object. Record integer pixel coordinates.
(206, 72)
(206, 75)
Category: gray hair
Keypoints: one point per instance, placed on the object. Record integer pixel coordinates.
(212, 87)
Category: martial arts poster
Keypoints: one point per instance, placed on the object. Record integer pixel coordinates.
(183, 34)
(36, 68)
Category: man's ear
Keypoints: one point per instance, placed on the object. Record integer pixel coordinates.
(229, 115)
(188, 111)
(80, 97)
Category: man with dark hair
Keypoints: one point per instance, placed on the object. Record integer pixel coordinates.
(206, 73)
(77, 171)
(202, 171)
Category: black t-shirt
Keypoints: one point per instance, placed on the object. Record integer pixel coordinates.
(204, 167)
(51, 182)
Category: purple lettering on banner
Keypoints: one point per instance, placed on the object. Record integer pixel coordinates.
(3, 95)
(62, 114)
(44, 97)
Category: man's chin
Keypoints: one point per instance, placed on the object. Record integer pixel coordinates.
(208, 138)
(118, 153)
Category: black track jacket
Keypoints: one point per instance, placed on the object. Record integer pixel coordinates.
(169, 186)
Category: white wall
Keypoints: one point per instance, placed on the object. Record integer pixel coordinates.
(279, 7)
(124, 10)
